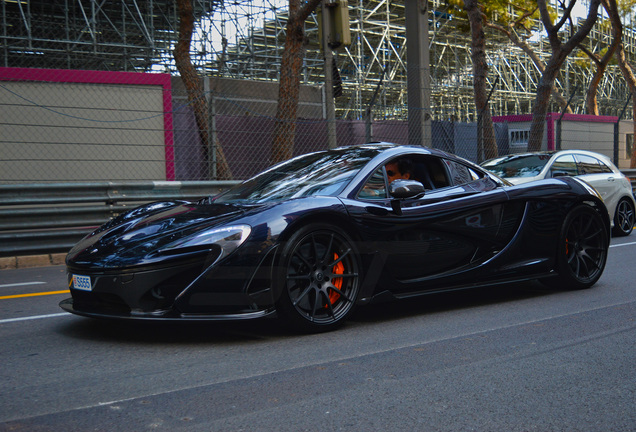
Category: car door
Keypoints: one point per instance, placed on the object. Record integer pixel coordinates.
(599, 176)
(455, 226)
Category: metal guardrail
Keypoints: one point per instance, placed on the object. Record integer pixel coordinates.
(631, 174)
(52, 217)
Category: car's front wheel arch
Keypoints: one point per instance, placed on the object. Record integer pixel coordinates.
(318, 277)
(582, 249)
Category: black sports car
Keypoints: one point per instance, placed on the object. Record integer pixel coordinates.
(313, 237)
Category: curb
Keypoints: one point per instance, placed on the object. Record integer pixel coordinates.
(28, 261)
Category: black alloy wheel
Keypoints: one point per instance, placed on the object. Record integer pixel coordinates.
(623, 218)
(321, 279)
(582, 250)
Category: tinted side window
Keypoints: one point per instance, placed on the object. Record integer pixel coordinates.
(565, 163)
(431, 172)
(605, 168)
(460, 173)
(374, 188)
(590, 165)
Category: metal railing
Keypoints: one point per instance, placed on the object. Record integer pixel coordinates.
(631, 174)
(52, 217)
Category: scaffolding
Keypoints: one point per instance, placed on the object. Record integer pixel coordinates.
(376, 61)
(126, 35)
(244, 39)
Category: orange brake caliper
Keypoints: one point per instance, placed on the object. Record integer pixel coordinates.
(337, 282)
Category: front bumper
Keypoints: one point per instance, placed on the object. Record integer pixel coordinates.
(187, 291)
(160, 315)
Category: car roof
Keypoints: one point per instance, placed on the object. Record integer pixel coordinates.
(552, 154)
(389, 151)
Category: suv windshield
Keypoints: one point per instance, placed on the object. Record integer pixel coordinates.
(525, 165)
(323, 173)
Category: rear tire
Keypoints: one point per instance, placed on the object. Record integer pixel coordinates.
(623, 218)
(319, 278)
(582, 250)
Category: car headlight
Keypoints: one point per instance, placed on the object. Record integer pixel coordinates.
(227, 239)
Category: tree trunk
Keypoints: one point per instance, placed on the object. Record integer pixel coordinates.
(523, 45)
(541, 104)
(591, 101)
(480, 73)
(631, 82)
(194, 88)
(628, 74)
(560, 51)
(289, 86)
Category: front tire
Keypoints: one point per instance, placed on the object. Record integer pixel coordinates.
(623, 218)
(319, 277)
(582, 249)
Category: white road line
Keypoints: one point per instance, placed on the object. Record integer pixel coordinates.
(624, 244)
(4, 321)
(21, 284)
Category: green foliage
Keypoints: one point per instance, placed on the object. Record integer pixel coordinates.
(626, 8)
(502, 12)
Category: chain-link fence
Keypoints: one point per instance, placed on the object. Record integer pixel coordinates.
(65, 125)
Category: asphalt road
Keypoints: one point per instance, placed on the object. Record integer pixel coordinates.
(508, 358)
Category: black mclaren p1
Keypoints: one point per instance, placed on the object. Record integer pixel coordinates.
(312, 238)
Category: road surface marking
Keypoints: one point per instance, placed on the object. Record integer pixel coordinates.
(624, 244)
(33, 294)
(21, 284)
(34, 317)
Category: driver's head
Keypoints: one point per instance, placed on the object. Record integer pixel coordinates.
(398, 169)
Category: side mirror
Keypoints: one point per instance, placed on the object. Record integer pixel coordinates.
(402, 189)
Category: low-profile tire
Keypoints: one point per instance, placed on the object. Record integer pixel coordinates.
(582, 250)
(319, 278)
(623, 218)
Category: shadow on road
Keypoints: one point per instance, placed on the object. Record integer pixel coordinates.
(448, 301)
(175, 332)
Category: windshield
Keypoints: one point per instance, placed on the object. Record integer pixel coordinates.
(526, 165)
(323, 173)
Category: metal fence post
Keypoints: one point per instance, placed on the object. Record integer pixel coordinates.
(616, 129)
(369, 116)
(418, 72)
(211, 144)
(328, 71)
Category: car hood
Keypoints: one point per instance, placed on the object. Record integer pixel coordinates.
(131, 237)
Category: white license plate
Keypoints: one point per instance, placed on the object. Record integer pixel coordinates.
(82, 283)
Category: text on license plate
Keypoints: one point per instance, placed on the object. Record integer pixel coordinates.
(82, 282)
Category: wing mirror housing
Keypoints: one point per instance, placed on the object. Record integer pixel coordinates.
(403, 189)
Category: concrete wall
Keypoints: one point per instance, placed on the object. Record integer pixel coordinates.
(578, 132)
(58, 125)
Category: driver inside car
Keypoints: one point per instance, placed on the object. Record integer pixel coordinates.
(399, 169)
